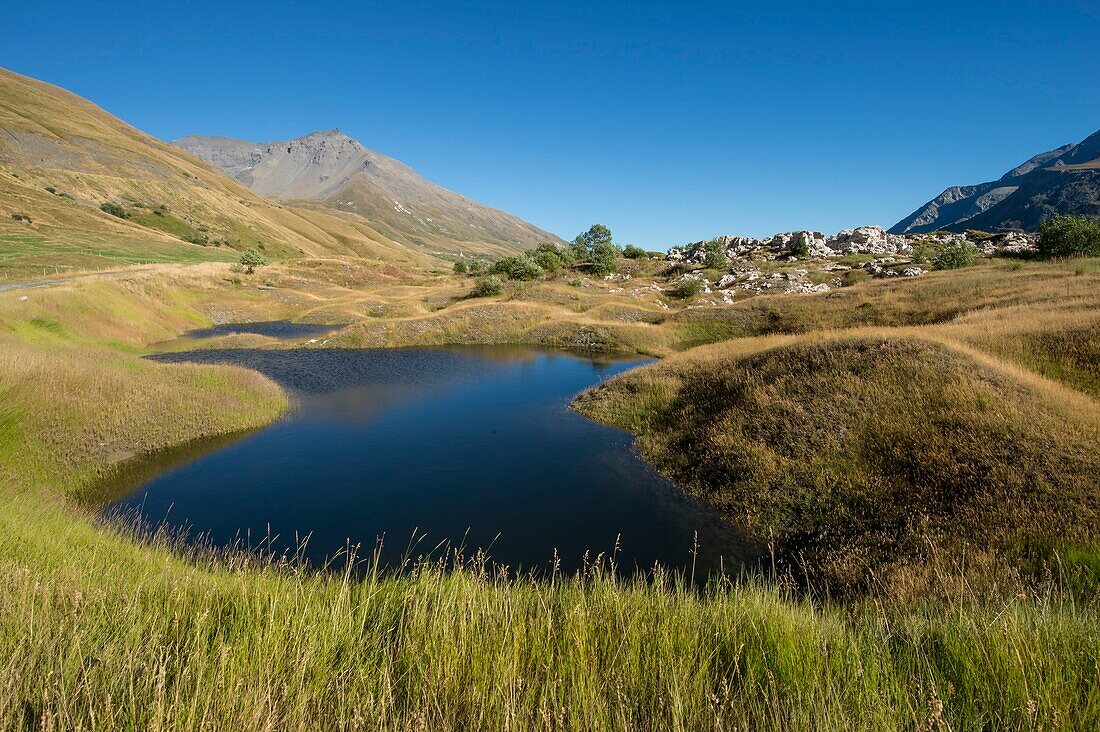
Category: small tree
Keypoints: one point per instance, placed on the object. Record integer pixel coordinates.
(252, 259)
(632, 252)
(800, 247)
(605, 258)
(957, 255)
(460, 268)
(714, 254)
(597, 235)
(547, 256)
(1069, 236)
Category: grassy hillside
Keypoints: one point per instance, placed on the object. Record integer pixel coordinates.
(61, 158)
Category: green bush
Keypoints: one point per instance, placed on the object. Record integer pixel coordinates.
(476, 267)
(632, 252)
(516, 268)
(956, 256)
(715, 255)
(195, 239)
(252, 259)
(548, 256)
(605, 258)
(800, 247)
(21, 217)
(488, 286)
(460, 268)
(687, 289)
(114, 209)
(1069, 236)
(923, 254)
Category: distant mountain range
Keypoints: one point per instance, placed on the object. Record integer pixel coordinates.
(1061, 181)
(333, 170)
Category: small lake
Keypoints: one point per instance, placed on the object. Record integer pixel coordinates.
(475, 447)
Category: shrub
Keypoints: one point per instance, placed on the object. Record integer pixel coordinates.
(605, 258)
(923, 254)
(800, 247)
(715, 255)
(956, 256)
(114, 209)
(195, 239)
(476, 267)
(516, 268)
(632, 252)
(1069, 236)
(460, 268)
(252, 259)
(21, 217)
(687, 289)
(51, 189)
(548, 257)
(487, 286)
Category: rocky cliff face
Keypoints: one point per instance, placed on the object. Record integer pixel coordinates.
(1061, 181)
(333, 169)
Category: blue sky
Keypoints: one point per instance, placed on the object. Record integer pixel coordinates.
(669, 122)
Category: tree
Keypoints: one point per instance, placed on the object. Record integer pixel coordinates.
(597, 235)
(714, 254)
(632, 252)
(800, 247)
(1068, 236)
(252, 259)
(461, 268)
(605, 258)
(579, 248)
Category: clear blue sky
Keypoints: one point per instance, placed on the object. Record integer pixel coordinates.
(669, 122)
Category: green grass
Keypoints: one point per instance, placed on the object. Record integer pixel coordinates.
(103, 633)
(28, 256)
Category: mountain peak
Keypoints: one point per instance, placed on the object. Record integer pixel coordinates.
(1065, 180)
(330, 167)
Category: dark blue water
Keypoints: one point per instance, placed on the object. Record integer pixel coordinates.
(273, 329)
(475, 447)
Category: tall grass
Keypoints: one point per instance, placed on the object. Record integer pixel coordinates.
(100, 633)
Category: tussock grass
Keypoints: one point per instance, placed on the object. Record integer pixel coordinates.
(852, 454)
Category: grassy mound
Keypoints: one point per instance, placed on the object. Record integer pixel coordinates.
(858, 453)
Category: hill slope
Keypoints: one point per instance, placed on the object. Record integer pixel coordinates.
(331, 168)
(61, 157)
(1061, 181)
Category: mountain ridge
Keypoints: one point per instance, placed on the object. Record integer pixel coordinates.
(339, 172)
(1065, 180)
(62, 158)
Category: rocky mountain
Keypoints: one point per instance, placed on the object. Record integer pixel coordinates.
(338, 172)
(66, 164)
(1061, 181)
